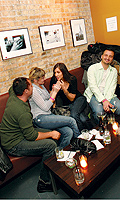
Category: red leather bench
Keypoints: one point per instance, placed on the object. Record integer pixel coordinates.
(22, 163)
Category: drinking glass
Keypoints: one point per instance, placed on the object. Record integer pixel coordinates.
(85, 134)
(113, 109)
(107, 137)
(78, 175)
(101, 116)
(59, 152)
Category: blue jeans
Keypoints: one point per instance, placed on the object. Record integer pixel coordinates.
(77, 110)
(44, 148)
(98, 107)
(67, 126)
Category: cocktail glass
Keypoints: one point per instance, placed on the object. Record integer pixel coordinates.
(113, 109)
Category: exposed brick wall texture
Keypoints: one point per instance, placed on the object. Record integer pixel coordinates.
(16, 14)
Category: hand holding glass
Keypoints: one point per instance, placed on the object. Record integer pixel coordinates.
(114, 107)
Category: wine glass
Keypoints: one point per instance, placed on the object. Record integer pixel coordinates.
(113, 109)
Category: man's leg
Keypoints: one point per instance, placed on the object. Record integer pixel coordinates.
(96, 107)
(44, 148)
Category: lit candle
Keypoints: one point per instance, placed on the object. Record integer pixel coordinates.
(115, 127)
(83, 161)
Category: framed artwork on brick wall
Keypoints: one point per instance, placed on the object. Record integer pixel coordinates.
(78, 32)
(15, 43)
(51, 36)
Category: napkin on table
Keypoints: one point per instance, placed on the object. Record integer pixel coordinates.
(96, 134)
(82, 137)
(97, 144)
(67, 154)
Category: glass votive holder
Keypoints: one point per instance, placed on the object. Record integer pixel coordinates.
(85, 134)
(71, 162)
(83, 161)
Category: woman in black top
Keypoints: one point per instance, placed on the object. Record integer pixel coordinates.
(69, 95)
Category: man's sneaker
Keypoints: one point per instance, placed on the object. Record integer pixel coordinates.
(44, 187)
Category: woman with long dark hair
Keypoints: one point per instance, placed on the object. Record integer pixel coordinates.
(69, 95)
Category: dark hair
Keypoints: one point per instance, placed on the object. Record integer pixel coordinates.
(19, 85)
(109, 49)
(66, 74)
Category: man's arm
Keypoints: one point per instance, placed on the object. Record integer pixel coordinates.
(93, 79)
(52, 134)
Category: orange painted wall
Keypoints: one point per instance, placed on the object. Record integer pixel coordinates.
(100, 10)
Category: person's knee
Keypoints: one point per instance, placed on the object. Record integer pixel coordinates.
(51, 144)
(72, 120)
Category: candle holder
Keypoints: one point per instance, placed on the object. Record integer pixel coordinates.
(83, 161)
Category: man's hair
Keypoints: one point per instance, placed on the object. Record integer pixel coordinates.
(19, 85)
(109, 49)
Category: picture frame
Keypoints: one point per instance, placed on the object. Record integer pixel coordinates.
(78, 31)
(14, 43)
(51, 36)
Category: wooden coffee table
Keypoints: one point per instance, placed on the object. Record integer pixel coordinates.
(99, 164)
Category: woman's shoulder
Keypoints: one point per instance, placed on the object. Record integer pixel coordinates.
(36, 89)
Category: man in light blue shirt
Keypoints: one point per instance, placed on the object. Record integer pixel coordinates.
(102, 82)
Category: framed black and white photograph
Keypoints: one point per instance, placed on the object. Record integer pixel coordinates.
(78, 31)
(51, 36)
(15, 43)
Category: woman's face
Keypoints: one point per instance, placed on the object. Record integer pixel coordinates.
(40, 81)
(58, 74)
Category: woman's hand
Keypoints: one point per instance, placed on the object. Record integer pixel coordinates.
(64, 87)
(62, 84)
(56, 87)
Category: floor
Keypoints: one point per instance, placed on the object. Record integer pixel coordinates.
(24, 187)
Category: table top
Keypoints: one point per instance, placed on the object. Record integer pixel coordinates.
(98, 164)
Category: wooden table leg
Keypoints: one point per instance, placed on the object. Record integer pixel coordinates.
(53, 183)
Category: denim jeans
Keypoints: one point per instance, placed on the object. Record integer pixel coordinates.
(77, 112)
(98, 107)
(44, 148)
(67, 126)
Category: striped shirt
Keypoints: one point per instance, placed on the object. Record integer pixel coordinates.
(40, 101)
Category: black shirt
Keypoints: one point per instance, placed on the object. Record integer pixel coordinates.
(61, 99)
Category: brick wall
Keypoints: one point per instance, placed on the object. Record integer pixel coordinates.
(16, 14)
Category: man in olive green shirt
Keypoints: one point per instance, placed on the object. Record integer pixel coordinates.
(19, 137)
